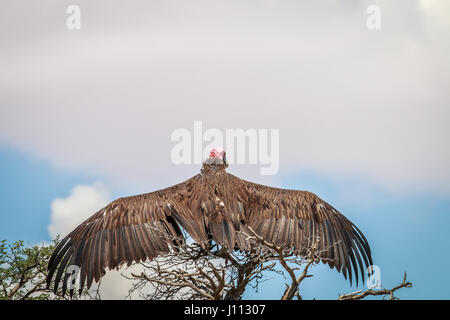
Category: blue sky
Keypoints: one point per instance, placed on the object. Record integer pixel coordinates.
(407, 233)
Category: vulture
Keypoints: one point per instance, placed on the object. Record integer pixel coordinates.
(214, 205)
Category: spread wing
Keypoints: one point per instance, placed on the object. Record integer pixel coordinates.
(128, 229)
(297, 218)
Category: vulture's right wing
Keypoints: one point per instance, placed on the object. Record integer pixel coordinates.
(295, 218)
(128, 229)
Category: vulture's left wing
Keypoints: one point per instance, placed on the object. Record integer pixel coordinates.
(297, 218)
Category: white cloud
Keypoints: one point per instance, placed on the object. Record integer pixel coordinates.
(83, 201)
(347, 100)
(114, 286)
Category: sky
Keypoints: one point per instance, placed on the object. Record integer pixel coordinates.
(363, 115)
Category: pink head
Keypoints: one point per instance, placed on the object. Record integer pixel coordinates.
(218, 153)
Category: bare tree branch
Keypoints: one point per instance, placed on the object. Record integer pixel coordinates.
(212, 272)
